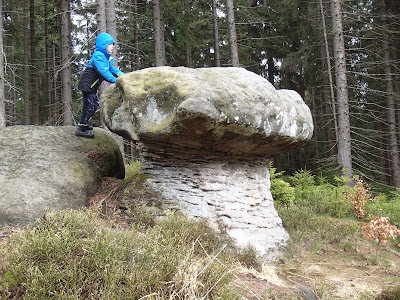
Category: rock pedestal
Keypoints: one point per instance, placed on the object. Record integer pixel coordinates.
(232, 194)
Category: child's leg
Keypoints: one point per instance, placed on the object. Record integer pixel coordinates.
(82, 129)
(83, 119)
(93, 105)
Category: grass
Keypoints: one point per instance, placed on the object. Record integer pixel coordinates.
(132, 168)
(77, 255)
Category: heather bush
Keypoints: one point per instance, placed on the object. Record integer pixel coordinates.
(77, 255)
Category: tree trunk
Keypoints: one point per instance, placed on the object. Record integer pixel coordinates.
(394, 151)
(217, 56)
(47, 64)
(232, 33)
(344, 139)
(136, 36)
(101, 16)
(2, 100)
(33, 74)
(101, 20)
(189, 54)
(66, 85)
(111, 25)
(159, 47)
(396, 59)
(316, 129)
(27, 119)
(12, 91)
(271, 69)
(56, 93)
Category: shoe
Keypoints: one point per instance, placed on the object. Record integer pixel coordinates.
(85, 126)
(84, 133)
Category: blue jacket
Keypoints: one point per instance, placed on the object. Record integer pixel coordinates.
(100, 66)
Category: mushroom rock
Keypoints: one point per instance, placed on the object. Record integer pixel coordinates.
(206, 137)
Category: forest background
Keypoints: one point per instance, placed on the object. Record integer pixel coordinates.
(342, 57)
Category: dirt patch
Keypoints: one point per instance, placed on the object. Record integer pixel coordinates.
(333, 275)
(7, 231)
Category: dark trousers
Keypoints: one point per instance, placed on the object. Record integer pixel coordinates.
(90, 106)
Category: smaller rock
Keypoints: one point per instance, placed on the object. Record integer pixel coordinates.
(49, 168)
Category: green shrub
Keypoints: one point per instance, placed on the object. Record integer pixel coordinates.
(132, 168)
(385, 206)
(281, 191)
(390, 293)
(303, 179)
(76, 255)
(322, 198)
(295, 218)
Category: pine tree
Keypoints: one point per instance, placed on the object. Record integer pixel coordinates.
(2, 100)
(66, 85)
(159, 41)
(344, 139)
(233, 45)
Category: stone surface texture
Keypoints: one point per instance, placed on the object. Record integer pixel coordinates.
(49, 168)
(206, 137)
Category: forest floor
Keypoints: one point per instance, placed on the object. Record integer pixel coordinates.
(332, 274)
(310, 269)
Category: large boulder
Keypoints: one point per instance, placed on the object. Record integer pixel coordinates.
(230, 110)
(206, 137)
(49, 168)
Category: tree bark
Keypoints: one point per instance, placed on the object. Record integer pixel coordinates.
(33, 74)
(111, 25)
(101, 20)
(27, 119)
(344, 139)
(232, 33)
(66, 85)
(56, 80)
(101, 16)
(12, 91)
(136, 36)
(396, 59)
(394, 151)
(189, 54)
(2, 100)
(217, 56)
(316, 129)
(47, 64)
(159, 47)
(271, 69)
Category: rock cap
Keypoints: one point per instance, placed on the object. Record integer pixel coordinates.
(229, 110)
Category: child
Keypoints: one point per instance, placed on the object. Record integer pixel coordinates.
(98, 69)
